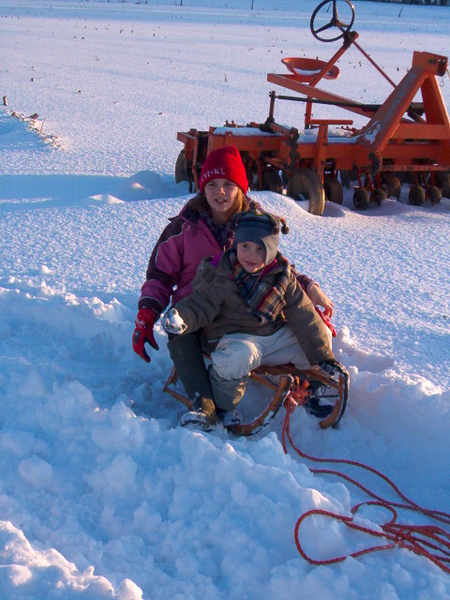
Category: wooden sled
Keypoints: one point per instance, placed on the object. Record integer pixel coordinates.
(293, 387)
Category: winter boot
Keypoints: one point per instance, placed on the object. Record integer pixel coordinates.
(204, 418)
(229, 418)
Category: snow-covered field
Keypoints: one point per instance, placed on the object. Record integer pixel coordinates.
(101, 501)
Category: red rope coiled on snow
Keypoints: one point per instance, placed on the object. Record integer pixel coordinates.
(429, 541)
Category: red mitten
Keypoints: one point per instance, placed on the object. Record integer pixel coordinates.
(145, 320)
(327, 322)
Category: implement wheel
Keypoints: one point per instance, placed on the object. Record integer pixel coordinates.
(433, 194)
(378, 195)
(361, 198)
(305, 184)
(333, 190)
(180, 168)
(391, 184)
(443, 182)
(416, 195)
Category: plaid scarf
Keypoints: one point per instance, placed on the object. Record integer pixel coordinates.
(264, 300)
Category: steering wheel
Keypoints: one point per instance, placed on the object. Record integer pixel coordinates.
(321, 24)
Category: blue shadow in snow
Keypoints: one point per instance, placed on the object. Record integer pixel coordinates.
(59, 188)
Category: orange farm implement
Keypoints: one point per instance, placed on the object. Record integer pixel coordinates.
(406, 138)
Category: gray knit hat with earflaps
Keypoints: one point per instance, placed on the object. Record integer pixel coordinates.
(261, 228)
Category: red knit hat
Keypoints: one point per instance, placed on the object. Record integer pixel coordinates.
(224, 163)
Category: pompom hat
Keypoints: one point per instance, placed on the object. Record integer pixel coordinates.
(224, 163)
(261, 228)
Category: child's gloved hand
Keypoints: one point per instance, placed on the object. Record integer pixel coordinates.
(327, 321)
(173, 323)
(145, 320)
(334, 368)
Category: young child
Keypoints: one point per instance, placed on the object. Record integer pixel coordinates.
(253, 311)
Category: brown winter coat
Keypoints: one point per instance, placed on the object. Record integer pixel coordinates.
(217, 307)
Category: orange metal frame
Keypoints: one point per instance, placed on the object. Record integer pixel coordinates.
(389, 136)
(400, 135)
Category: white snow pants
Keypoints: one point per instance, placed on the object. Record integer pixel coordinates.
(237, 354)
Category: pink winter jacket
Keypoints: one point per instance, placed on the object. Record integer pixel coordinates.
(175, 259)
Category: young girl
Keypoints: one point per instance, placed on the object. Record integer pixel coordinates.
(203, 228)
(253, 311)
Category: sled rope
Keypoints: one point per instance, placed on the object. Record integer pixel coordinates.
(410, 537)
(430, 541)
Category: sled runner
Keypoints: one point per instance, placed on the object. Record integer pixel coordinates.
(315, 389)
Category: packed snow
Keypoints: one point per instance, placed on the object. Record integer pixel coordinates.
(102, 494)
